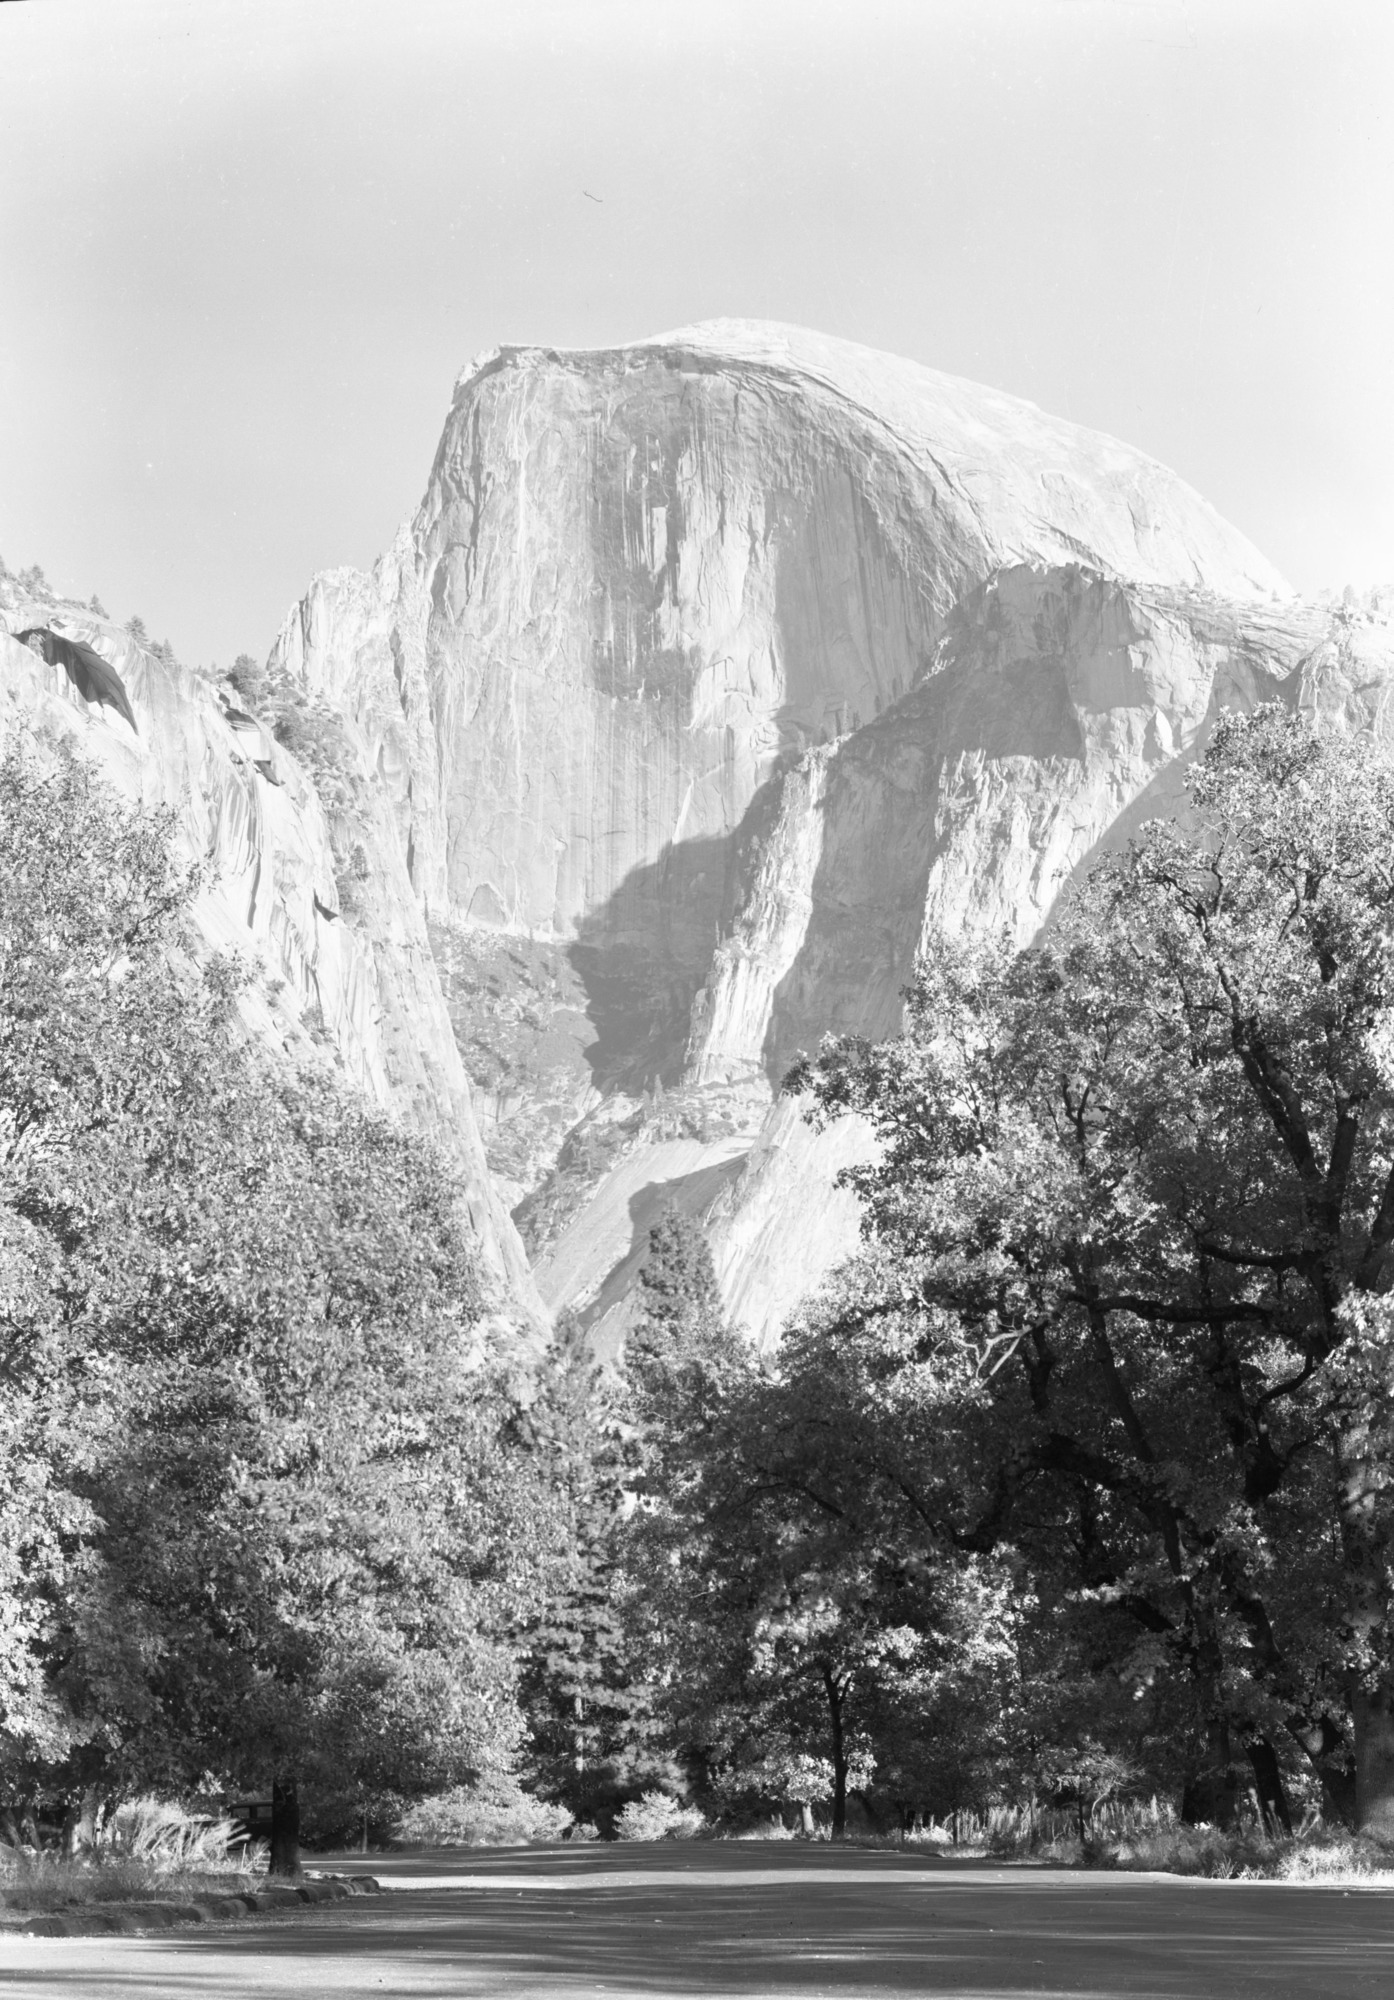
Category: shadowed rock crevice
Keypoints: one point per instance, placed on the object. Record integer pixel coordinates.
(704, 666)
(612, 1308)
(1060, 709)
(886, 820)
(645, 954)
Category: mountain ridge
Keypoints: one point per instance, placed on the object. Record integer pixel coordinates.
(663, 587)
(710, 675)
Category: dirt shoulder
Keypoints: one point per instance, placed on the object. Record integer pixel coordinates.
(134, 1918)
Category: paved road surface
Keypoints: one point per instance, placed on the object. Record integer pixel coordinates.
(747, 1919)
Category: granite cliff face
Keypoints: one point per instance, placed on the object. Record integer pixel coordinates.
(304, 877)
(710, 672)
(709, 675)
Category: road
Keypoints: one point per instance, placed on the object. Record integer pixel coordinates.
(747, 1919)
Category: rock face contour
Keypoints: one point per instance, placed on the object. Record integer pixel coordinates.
(643, 581)
(305, 878)
(712, 670)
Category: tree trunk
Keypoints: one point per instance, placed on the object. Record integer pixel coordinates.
(1372, 1711)
(1211, 1795)
(80, 1823)
(839, 1749)
(285, 1827)
(1326, 1747)
(806, 1823)
(1365, 1547)
(1269, 1787)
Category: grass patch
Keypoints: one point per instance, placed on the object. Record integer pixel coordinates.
(39, 1883)
(150, 1850)
(1143, 1835)
(1148, 1835)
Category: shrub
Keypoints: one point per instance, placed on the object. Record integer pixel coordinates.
(32, 1881)
(492, 1813)
(317, 739)
(168, 1838)
(767, 1829)
(148, 1847)
(658, 1816)
(1149, 1834)
(1320, 1856)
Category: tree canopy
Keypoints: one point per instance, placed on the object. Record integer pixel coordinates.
(1123, 1310)
(1075, 1479)
(265, 1508)
(1077, 1476)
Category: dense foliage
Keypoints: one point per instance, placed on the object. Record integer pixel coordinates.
(1122, 1320)
(264, 1512)
(1073, 1485)
(1076, 1480)
(600, 1671)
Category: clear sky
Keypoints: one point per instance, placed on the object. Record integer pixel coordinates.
(247, 245)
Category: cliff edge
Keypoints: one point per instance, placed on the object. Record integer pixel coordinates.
(710, 674)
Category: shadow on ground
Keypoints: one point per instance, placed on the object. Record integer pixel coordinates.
(752, 1919)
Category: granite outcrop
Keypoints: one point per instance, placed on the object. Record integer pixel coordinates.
(712, 674)
(303, 880)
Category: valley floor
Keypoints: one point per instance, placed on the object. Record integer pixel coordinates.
(748, 1919)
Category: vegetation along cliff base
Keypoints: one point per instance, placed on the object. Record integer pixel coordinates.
(1058, 1522)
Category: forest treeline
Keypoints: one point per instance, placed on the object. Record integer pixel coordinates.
(1073, 1484)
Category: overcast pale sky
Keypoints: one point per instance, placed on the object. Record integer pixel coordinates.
(246, 246)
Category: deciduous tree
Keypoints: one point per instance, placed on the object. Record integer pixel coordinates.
(267, 1515)
(1131, 1232)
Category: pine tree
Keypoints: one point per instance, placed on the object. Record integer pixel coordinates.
(594, 1688)
(589, 1706)
(680, 1320)
(248, 679)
